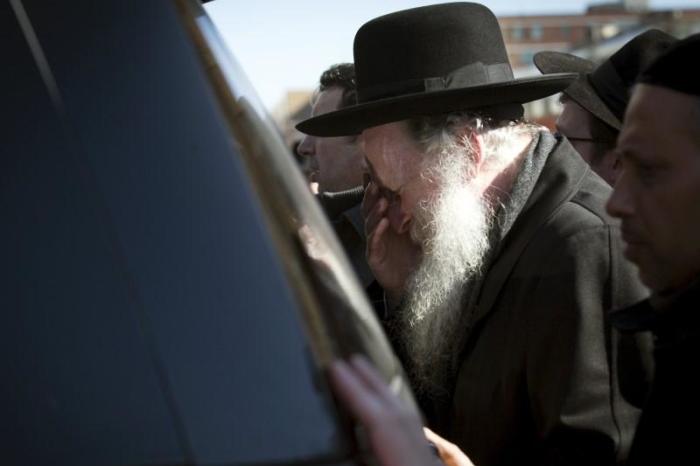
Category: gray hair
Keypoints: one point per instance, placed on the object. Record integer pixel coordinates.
(435, 133)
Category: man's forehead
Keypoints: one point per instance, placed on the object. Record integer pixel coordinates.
(372, 171)
(387, 135)
(655, 126)
(326, 101)
(392, 155)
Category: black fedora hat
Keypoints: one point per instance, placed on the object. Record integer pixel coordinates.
(604, 91)
(430, 60)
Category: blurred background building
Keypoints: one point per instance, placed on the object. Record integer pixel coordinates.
(596, 34)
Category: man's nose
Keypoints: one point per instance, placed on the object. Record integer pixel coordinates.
(621, 202)
(306, 147)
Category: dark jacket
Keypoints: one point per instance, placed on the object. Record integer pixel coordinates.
(344, 212)
(537, 379)
(667, 430)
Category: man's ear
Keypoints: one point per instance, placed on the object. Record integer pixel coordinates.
(473, 141)
(615, 165)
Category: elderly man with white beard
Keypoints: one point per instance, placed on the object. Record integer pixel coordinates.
(455, 188)
(491, 241)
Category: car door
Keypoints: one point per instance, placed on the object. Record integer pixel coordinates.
(170, 289)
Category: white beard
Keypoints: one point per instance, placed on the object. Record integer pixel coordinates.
(453, 229)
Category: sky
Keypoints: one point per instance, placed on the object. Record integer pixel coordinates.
(286, 44)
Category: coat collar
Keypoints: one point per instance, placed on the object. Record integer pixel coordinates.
(671, 316)
(559, 181)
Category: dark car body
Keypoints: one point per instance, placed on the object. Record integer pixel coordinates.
(170, 290)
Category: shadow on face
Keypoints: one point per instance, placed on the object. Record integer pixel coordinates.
(657, 195)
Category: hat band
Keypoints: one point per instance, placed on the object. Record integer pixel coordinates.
(475, 74)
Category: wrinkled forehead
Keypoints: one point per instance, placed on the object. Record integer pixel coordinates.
(392, 154)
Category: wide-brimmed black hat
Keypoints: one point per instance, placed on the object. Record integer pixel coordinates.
(604, 91)
(431, 60)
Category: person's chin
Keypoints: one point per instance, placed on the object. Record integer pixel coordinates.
(652, 276)
(635, 250)
(649, 280)
(632, 253)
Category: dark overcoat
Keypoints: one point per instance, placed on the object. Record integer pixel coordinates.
(668, 429)
(537, 378)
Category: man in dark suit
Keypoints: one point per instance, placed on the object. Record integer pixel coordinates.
(657, 198)
(490, 239)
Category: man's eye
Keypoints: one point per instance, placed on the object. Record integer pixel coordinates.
(646, 173)
(387, 194)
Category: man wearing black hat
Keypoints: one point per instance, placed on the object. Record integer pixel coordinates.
(657, 197)
(490, 239)
(593, 106)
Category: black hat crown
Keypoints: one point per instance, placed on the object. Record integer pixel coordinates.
(428, 47)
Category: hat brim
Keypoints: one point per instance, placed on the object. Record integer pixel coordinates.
(581, 91)
(560, 62)
(354, 119)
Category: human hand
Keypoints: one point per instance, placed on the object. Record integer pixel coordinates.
(391, 254)
(393, 428)
(450, 454)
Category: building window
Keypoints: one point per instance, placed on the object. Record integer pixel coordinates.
(516, 33)
(536, 32)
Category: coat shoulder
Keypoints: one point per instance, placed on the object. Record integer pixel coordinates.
(584, 212)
